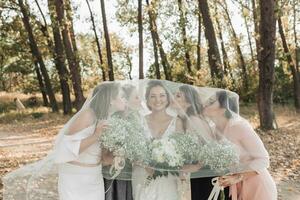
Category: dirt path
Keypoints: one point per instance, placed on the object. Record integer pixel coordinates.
(27, 140)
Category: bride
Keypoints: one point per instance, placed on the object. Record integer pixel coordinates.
(158, 124)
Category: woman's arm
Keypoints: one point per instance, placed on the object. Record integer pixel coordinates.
(252, 147)
(85, 120)
(229, 180)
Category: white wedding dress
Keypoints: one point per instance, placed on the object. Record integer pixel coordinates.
(79, 182)
(162, 188)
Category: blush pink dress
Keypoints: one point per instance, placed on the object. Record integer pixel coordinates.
(253, 157)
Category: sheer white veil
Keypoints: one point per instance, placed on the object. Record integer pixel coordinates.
(185, 104)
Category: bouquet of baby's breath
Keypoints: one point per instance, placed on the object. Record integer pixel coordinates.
(187, 144)
(124, 137)
(136, 144)
(219, 156)
(113, 138)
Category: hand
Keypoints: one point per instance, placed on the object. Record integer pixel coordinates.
(107, 157)
(191, 167)
(150, 171)
(101, 126)
(229, 180)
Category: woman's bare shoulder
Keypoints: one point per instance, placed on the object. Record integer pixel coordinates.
(83, 120)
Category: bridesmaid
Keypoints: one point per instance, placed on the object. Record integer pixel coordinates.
(78, 150)
(255, 182)
(122, 189)
(188, 101)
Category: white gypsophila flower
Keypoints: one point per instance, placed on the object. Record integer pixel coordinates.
(219, 156)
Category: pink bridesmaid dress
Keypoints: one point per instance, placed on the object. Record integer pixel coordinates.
(253, 157)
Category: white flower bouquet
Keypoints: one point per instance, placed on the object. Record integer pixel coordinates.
(219, 156)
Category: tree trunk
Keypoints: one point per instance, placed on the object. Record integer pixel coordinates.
(37, 55)
(152, 30)
(164, 59)
(71, 57)
(213, 51)
(69, 16)
(267, 29)
(41, 84)
(97, 42)
(249, 40)
(130, 66)
(107, 41)
(199, 41)
(59, 58)
(141, 48)
(182, 24)
(256, 28)
(44, 29)
(292, 66)
(297, 48)
(242, 62)
(226, 63)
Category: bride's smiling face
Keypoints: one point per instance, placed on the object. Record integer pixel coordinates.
(158, 99)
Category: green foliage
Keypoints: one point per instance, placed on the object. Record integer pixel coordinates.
(283, 90)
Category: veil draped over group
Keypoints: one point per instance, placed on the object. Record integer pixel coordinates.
(134, 138)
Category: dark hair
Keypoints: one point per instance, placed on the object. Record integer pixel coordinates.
(192, 97)
(128, 89)
(102, 96)
(152, 84)
(226, 102)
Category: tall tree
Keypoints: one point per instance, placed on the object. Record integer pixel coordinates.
(141, 48)
(297, 47)
(292, 66)
(59, 59)
(267, 30)
(97, 42)
(37, 54)
(255, 14)
(41, 84)
(236, 40)
(246, 16)
(225, 59)
(154, 43)
(199, 39)
(163, 56)
(107, 42)
(213, 51)
(182, 25)
(70, 54)
(70, 25)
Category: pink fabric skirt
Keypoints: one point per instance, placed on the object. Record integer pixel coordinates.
(259, 187)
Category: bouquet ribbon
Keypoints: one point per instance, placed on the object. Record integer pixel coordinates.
(216, 189)
(118, 165)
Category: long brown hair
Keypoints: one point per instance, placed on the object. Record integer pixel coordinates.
(102, 96)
